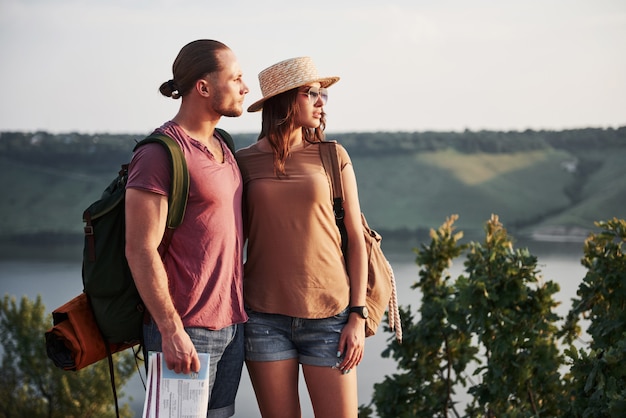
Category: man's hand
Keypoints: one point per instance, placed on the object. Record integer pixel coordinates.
(180, 353)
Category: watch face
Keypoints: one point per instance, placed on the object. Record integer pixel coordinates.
(361, 310)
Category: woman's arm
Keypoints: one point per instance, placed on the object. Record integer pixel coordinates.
(352, 341)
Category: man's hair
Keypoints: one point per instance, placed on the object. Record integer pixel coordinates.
(195, 60)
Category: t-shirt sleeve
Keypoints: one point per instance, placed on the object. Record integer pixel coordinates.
(344, 157)
(150, 170)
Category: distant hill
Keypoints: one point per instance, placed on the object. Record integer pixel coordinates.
(547, 184)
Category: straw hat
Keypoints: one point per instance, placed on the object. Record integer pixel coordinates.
(287, 75)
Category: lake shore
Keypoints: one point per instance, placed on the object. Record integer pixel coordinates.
(59, 280)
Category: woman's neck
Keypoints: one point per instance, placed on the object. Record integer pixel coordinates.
(295, 139)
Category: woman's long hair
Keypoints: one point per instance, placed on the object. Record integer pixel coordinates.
(278, 121)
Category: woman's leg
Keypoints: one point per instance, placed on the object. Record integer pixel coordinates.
(275, 384)
(333, 394)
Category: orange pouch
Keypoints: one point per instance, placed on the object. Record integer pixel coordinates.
(75, 341)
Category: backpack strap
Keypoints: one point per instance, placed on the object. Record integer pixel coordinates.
(227, 138)
(330, 161)
(179, 191)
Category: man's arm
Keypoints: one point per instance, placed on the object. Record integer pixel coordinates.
(146, 215)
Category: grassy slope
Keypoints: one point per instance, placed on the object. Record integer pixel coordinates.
(420, 191)
(401, 192)
(603, 195)
(42, 199)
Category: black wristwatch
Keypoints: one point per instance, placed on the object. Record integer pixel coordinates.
(361, 310)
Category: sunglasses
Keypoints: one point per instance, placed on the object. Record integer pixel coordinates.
(315, 93)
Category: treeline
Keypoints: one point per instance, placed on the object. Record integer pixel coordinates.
(95, 150)
(490, 142)
(72, 150)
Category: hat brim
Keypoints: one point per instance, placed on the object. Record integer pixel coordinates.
(325, 82)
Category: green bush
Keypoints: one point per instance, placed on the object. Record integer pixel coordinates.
(599, 373)
(493, 333)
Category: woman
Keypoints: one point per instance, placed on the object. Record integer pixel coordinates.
(305, 305)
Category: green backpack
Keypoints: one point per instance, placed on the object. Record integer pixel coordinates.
(108, 283)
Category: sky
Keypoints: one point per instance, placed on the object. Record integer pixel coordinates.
(94, 66)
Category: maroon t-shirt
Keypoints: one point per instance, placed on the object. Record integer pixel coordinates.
(204, 259)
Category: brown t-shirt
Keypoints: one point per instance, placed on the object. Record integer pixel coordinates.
(294, 262)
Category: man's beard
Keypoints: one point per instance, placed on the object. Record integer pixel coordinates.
(231, 113)
(233, 110)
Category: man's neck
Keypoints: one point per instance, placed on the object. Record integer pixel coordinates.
(201, 129)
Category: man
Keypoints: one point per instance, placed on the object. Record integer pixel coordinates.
(193, 291)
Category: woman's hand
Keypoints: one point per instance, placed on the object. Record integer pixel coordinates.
(352, 343)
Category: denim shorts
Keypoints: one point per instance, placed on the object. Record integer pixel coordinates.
(273, 337)
(225, 347)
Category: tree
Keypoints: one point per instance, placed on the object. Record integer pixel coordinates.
(599, 374)
(496, 323)
(510, 313)
(433, 353)
(32, 386)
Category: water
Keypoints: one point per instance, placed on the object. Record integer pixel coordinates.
(59, 281)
